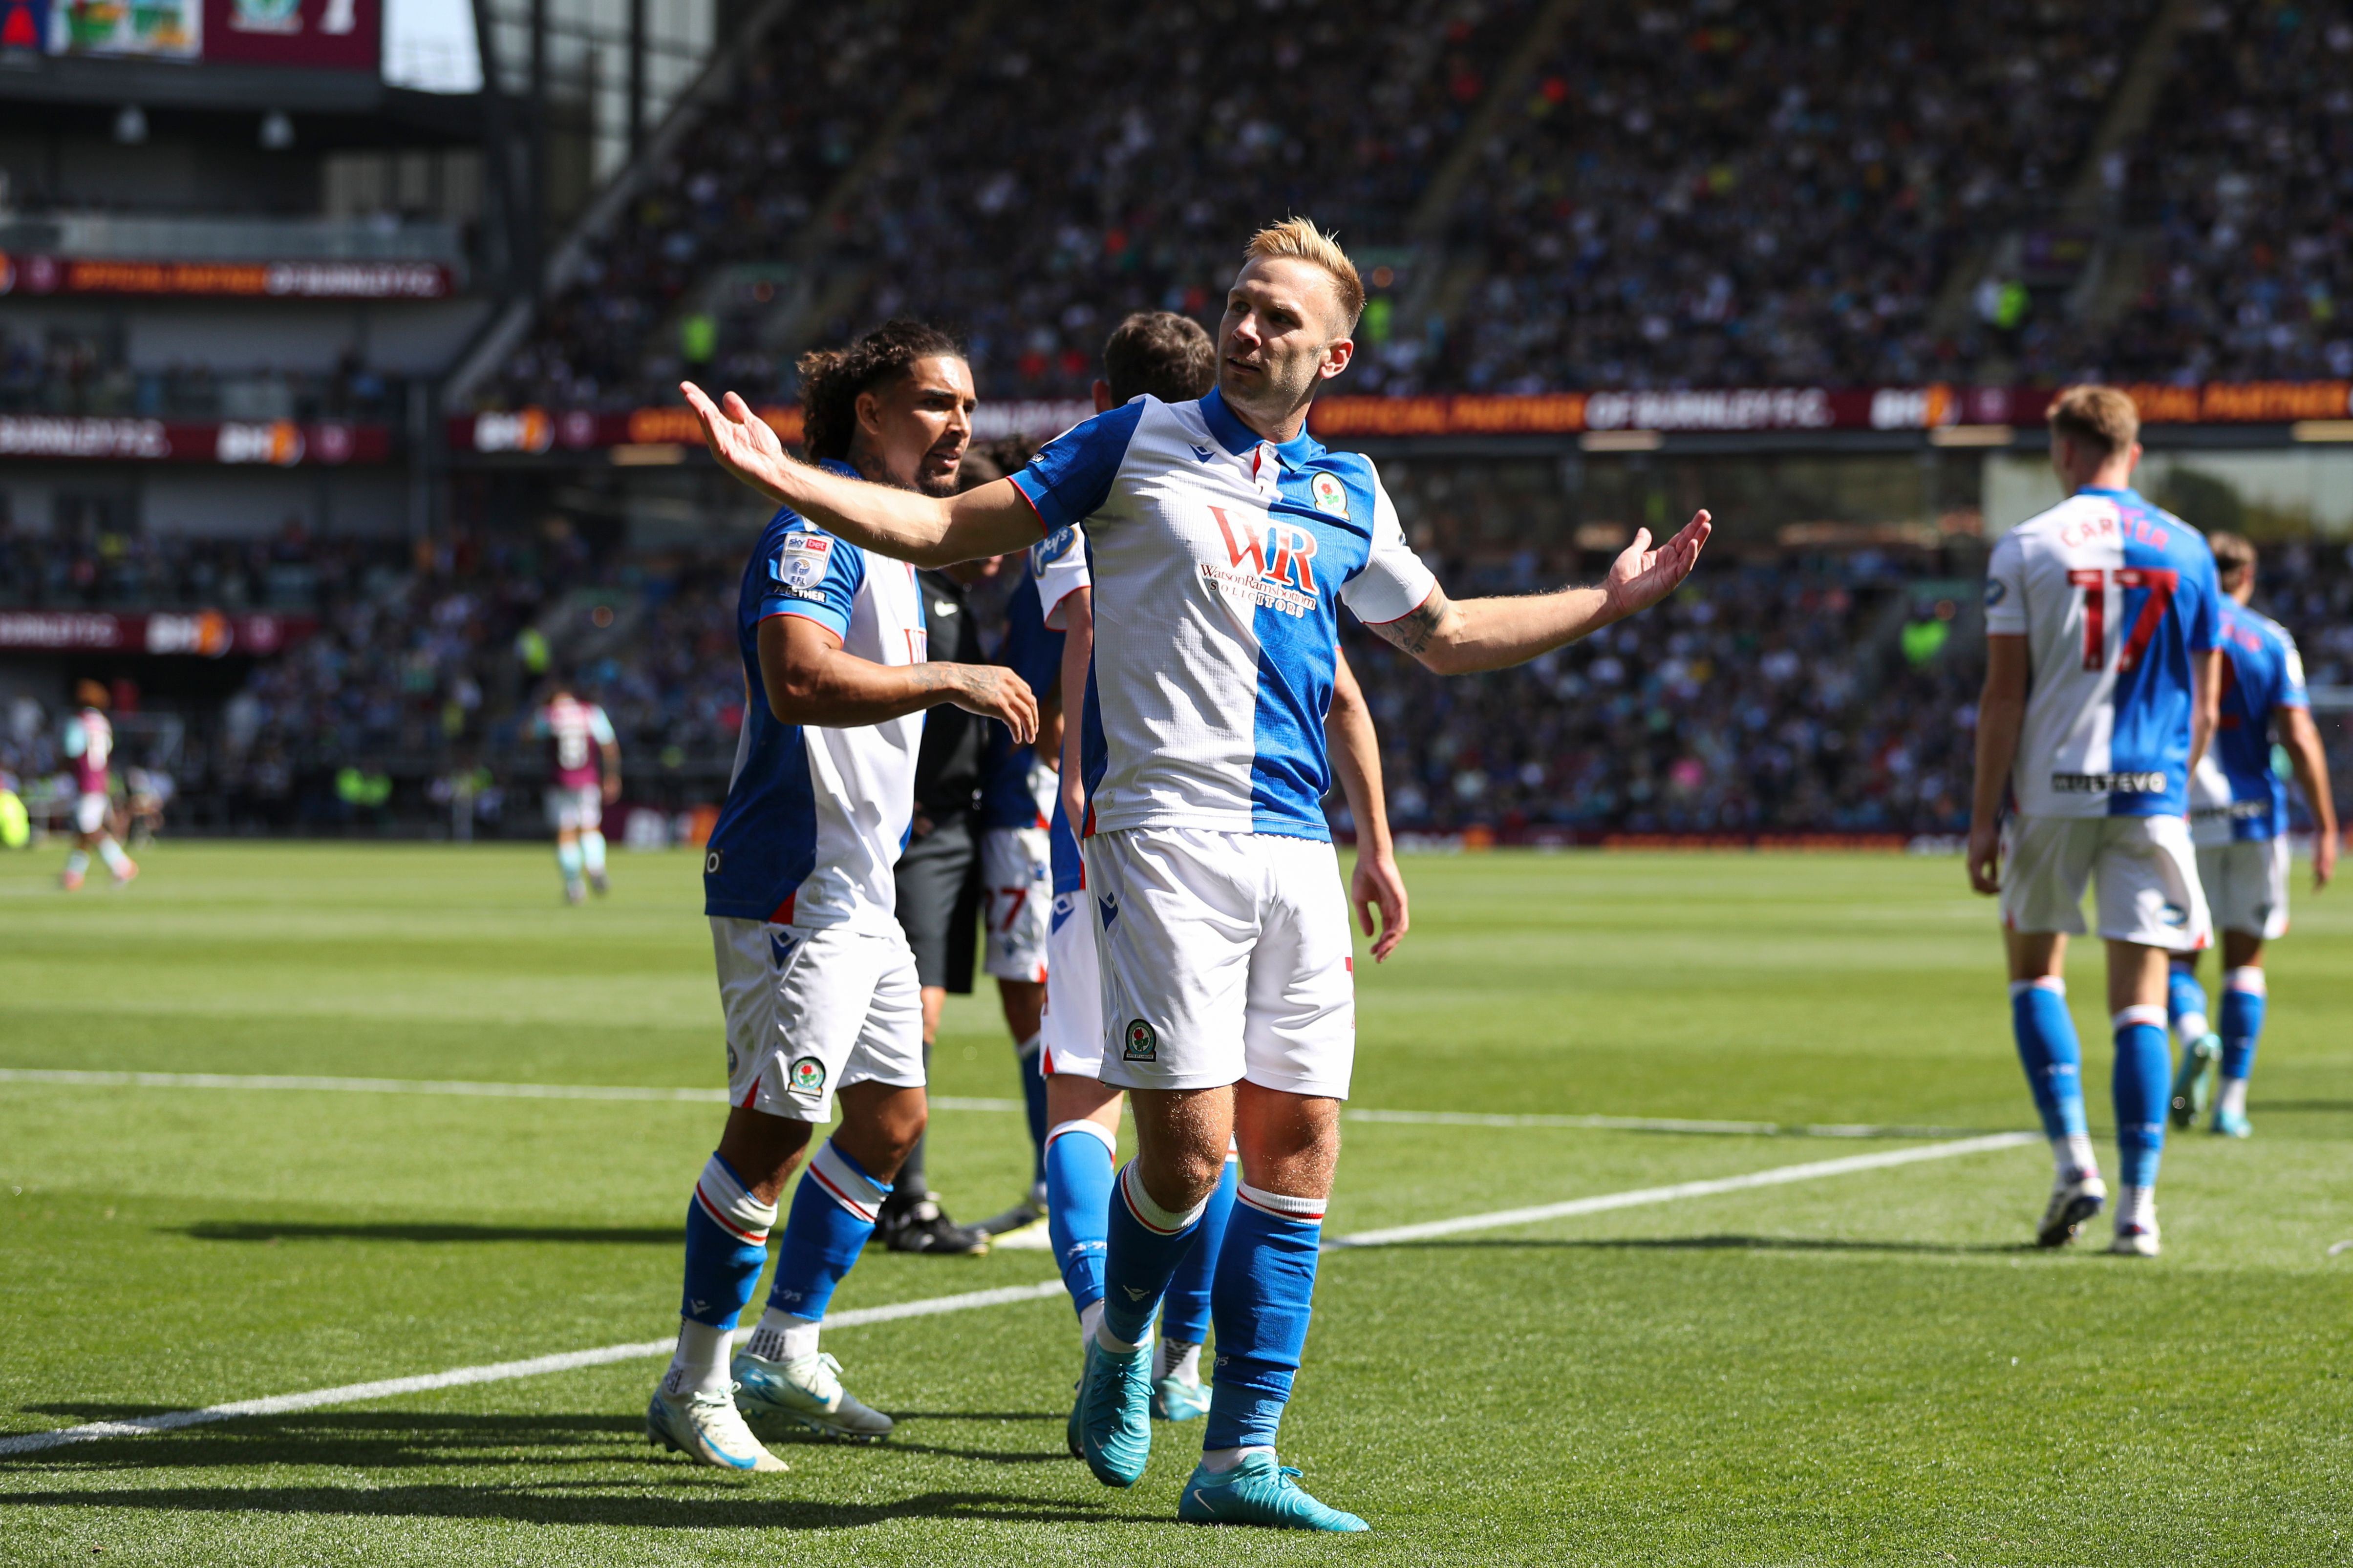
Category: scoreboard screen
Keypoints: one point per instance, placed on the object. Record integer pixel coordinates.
(315, 34)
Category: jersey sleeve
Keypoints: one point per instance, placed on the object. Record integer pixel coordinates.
(600, 726)
(813, 575)
(77, 737)
(1393, 583)
(1072, 477)
(2005, 587)
(2292, 693)
(2205, 624)
(1058, 563)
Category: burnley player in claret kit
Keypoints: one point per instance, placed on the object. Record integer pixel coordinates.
(1224, 540)
(579, 736)
(2102, 622)
(89, 746)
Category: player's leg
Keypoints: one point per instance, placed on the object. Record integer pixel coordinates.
(1177, 915)
(2245, 996)
(1082, 1110)
(1177, 1394)
(118, 865)
(1024, 1005)
(781, 1375)
(1300, 1043)
(2045, 864)
(591, 839)
(733, 1204)
(564, 816)
(2198, 1047)
(2150, 907)
(1016, 881)
(89, 833)
(937, 878)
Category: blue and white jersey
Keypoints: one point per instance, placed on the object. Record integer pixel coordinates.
(1219, 562)
(1015, 789)
(2237, 793)
(815, 818)
(2115, 597)
(1058, 568)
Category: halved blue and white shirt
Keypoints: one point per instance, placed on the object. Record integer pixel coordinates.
(1219, 562)
(2236, 794)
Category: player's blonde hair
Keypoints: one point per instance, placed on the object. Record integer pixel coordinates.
(1299, 239)
(2099, 416)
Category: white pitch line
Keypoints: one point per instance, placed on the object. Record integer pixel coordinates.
(463, 1087)
(1777, 1176)
(644, 1350)
(475, 1090)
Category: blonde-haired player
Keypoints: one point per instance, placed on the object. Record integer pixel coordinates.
(1224, 540)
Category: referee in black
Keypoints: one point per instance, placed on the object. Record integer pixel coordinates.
(939, 887)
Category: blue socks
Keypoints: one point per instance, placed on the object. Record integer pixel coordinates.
(2143, 1085)
(1145, 1244)
(726, 1246)
(833, 1213)
(1078, 1177)
(2051, 1054)
(1266, 1278)
(1185, 1315)
(2243, 1000)
(2185, 1003)
(1033, 1053)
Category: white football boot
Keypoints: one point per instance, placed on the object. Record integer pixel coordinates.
(708, 1429)
(808, 1392)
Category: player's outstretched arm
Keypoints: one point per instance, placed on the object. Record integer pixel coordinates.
(1459, 637)
(2306, 755)
(1376, 885)
(2002, 717)
(811, 680)
(905, 526)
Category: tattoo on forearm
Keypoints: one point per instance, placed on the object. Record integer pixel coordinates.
(1414, 633)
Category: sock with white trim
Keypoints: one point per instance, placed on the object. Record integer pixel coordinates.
(1144, 1242)
(726, 1246)
(77, 861)
(111, 853)
(2245, 996)
(2049, 1050)
(567, 860)
(1078, 1177)
(834, 1209)
(2143, 1086)
(2185, 1003)
(592, 851)
(1265, 1285)
(1184, 1313)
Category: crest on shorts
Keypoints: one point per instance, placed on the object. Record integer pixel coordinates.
(1143, 1045)
(1330, 495)
(2175, 916)
(808, 1075)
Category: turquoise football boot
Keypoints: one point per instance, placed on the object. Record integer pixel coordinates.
(1070, 1431)
(1259, 1491)
(2233, 1124)
(2193, 1084)
(1116, 1414)
(1175, 1398)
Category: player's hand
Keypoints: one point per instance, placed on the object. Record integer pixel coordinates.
(1378, 885)
(994, 691)
(1641, 576)
(1985, 857)
(2324, 860)
(740, 440)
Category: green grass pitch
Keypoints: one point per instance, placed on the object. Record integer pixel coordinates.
(1863, 1368)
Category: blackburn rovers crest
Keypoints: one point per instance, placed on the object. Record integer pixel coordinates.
(1143, 1045)
(808, 1076)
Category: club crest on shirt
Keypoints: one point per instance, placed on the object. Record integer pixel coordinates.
(802, 561)
(1143, 1045)
(1330, 495)
(808, 1075)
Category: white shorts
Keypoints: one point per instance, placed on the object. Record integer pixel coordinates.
(2246, 885)
(1073, 1028)
(90, 812)
(1225, 956)
(580, 810)
(810, 1010)
(2145, 871)
(1018, 881)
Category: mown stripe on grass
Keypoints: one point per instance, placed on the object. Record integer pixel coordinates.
(568, 1360)
(473, 1089)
